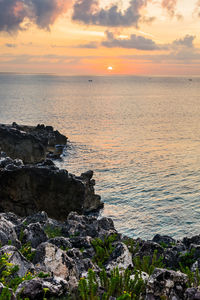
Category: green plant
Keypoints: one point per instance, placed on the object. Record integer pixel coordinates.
(103, 249)
(5, 294)
(187, 259)
(148, 264)
(21, 235)
(8, 273)
(52, 232)
(43, 275)
(119, 285)
(193, 277)
(26, 250)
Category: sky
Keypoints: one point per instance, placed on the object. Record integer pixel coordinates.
(100, 37)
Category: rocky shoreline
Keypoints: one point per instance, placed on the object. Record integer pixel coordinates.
(50, 248)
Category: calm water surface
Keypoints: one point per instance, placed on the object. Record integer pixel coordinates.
(140, 135)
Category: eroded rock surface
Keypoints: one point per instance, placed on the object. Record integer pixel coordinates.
(26, 189)
(30, 143)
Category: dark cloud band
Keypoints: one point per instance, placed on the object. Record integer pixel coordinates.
(89, 12)
(42, 12)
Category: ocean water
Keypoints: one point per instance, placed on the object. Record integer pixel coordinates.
(140, 135)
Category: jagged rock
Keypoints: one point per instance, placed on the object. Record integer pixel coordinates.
(30, 143)
(32, 188)
(120, 257)
(7, 233)
(40, 217)
(88, 226)
(39, 289)
(164, 239)
(49, 258)
(61, 242)
(19, 144)
(193, 240)
(81, 264)
(34, 234)
(16, 258)
(166, 283)
(190, 294)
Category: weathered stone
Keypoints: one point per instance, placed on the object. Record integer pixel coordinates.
(16, 258)
(7, 233)
(39, 289)
(164, 240)
(35, 235)
(51, 259)
(120, 257)
(33, 188)
(61, 242)
(193, 240)
(167, 283)
(19, 144)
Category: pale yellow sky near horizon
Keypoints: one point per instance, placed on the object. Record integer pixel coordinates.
(74, 48)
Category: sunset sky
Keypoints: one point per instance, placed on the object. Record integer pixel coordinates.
(85, 37)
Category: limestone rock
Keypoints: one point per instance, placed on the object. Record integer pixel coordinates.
(166, 283)
(33, 188)
(16, 258)
(39, 289)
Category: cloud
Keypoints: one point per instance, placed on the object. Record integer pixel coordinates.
(91, 45)
(133, 42)
(170, 5)
(89, 12)
(13, 13)
(187, 41)
(11, 45)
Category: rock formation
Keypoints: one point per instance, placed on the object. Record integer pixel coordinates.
(31, 143)
(26, 189)
(86, 258)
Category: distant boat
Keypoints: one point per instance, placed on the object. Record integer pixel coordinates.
(90, 80)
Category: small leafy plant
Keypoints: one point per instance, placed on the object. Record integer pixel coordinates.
(119, 285)
(148, 264)
(103, 249)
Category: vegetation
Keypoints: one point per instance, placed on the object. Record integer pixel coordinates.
(52, 232)
(119, 285)
(148, 264)
(103, 249)
(27, 251)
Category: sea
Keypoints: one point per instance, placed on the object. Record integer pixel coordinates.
(140, 136)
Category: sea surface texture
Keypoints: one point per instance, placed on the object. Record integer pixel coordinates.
(140, 135)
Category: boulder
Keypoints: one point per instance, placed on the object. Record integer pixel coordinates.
(40, 289)
(7, 233)
(30, 143)
(16, 258)
(32, 188)
(50, 259)
(166, 283)
(19, 144)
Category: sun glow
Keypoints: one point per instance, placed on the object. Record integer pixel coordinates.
(109, 68)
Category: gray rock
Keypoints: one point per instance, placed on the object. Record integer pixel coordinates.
(7, 233)
(38, 288)
(167, 240)
(34, 234)
(120, 257)
(33, 188)
(16, 258)
(167, 283)
(51, 259)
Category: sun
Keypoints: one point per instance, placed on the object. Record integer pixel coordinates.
(109, 68)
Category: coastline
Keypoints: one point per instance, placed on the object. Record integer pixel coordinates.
(79, 256)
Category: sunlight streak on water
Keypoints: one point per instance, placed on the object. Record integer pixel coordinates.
(140, 136)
